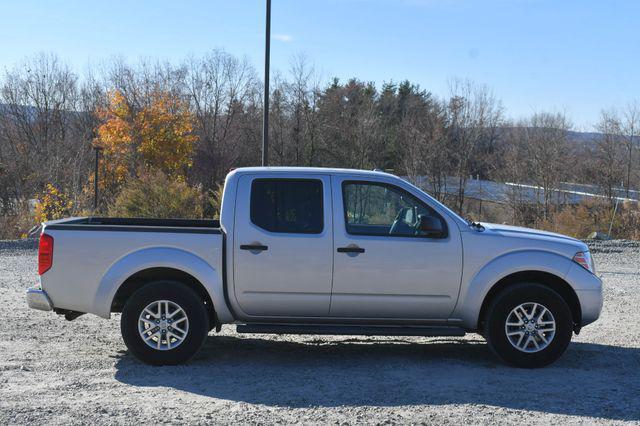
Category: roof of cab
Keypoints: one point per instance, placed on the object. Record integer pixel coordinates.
(326, 170)
(333, 171)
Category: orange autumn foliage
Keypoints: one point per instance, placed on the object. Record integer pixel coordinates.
(157, 136)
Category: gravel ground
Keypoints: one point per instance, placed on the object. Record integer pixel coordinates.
(59, 372)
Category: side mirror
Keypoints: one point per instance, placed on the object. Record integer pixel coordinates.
(431, 226)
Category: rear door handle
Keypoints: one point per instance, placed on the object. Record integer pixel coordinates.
(257, 247)
(350, 249)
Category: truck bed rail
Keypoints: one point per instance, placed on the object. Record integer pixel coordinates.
(197, 226)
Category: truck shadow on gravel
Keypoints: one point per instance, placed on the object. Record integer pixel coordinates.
(590, 380)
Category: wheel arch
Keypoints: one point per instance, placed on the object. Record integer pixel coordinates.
(139, 267)
(552, 281)
(140, 278)
(547, 268)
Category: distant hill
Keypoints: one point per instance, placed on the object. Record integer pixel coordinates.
(578, 138)
(584, 138)
(31, 110)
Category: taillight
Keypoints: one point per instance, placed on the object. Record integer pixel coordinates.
(45, 253)
(583, 258)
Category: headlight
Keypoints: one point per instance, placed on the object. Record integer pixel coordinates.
(584, 259)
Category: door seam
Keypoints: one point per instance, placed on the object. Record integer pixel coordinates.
(333, 245)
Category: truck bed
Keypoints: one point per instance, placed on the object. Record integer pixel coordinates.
(89, 264)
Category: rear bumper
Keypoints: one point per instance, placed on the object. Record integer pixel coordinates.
(37, 298)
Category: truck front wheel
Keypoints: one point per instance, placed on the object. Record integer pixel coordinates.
(528, 325)
(164, 323)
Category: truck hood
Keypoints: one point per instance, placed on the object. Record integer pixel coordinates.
(520, 232)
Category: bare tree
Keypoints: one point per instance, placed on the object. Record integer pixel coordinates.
(222, 91)
(474, 115)
(42, 127)
(422, 141)
(536, 164)
(609, 170)
(630, 128)
(294, 119)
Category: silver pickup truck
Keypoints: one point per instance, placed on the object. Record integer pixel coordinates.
(320, 251)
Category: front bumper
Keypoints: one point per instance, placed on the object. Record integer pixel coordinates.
(588, 288)
(37, 298)
(591, 302)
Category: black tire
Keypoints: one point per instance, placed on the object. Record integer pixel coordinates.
(183, 296)
(509, 299)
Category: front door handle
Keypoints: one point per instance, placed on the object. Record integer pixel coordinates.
(350, 249)
(256, 247)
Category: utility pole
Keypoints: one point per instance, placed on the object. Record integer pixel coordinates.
(95, 177)
(265, 113)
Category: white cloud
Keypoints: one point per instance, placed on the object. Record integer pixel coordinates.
(286, 38)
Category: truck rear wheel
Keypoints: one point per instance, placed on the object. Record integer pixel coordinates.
(528, 325)
(164, 323)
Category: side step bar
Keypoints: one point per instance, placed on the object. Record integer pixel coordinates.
(351, 330)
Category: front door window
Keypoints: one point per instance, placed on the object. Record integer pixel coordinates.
(380, 209)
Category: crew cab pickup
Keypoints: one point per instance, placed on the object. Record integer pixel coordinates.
(320, 251)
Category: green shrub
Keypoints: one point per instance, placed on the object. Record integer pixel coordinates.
(155, 194)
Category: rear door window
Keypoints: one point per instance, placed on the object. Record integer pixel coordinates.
(287, 205)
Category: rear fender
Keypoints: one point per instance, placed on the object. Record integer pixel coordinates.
(160, 257)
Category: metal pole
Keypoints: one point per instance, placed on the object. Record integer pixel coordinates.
(265, 113)
(95, 178)
(613, 216)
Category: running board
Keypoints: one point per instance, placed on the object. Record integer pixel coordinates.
(351, 330)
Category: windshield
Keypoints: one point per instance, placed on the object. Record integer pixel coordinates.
(440, 206)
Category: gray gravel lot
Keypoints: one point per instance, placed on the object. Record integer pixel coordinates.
(59, 372)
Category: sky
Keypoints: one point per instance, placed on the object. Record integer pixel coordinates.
(571, 56)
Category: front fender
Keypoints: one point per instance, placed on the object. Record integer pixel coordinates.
(473, 294)
(159, 257)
